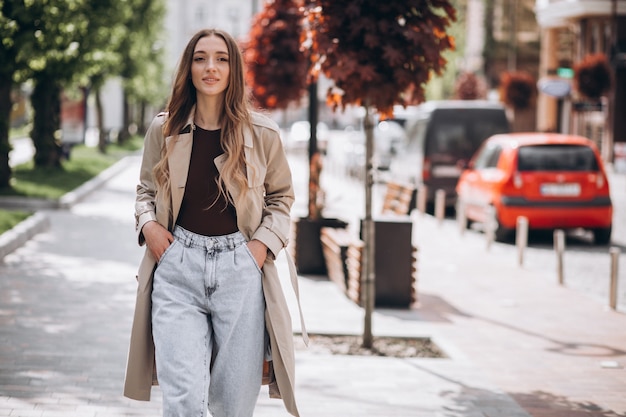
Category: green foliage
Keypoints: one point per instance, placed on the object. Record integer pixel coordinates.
(142, 52)
(71, 43)
(10, 218)
(277, 65)
(381, 53)
(442, 86)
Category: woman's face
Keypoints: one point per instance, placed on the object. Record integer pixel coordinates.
(210, 67)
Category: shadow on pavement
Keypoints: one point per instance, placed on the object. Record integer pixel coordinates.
(436, 309)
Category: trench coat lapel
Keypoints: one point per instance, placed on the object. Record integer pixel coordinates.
(178, 161)
(248, 143)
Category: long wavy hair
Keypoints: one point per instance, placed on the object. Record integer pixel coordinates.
(235, 115)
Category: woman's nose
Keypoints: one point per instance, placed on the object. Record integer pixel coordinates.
(210, 63)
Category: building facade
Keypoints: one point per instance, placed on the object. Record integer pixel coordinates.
(570, 31)
(186, 17)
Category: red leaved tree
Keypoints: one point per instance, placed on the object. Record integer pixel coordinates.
(379, 53)
(277, 68)
(278, 72)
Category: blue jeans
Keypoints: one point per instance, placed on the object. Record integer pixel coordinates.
(208, 326)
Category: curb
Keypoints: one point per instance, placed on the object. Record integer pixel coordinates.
(39, 222)
(22, 232)
(74, 196)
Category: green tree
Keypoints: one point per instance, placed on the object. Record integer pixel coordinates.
(142, 67)
(379, 54)
(16, 29)
(58, 44)
(52, 57)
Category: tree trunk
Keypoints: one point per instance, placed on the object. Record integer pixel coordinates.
(46, 101)
(141, 123)
(102, 136)
(5, 122)
(367, 262)
(125, 132)
(315, 164)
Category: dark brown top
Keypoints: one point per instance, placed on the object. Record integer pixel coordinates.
(200, 212)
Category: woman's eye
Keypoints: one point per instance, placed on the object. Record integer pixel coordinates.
(198, 59)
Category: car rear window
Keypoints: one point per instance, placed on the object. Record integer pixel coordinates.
(460, 132)
(556, 158)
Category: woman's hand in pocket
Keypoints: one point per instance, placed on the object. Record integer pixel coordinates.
(258, 251)
(158, 238)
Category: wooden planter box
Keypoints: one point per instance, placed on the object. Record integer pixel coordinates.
(308, 254)
(395, 259)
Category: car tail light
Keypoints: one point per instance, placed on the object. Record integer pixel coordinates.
(426, 170)
(600, 180)
(517, 180)
(512, 184)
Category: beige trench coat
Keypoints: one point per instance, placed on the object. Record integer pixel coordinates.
(263, 215)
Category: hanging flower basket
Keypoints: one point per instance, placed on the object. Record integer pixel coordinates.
(517, 89)
(592, 76)
(470, 87)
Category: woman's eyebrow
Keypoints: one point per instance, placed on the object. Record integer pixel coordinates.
(201, 51)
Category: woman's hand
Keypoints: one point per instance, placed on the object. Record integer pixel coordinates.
(158, 238)
(259, 251)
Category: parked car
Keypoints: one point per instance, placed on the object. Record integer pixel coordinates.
(441, 137)
(346, 148)
(300, 132)
(556, 181)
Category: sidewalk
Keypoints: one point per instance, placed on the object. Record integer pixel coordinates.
(518, 345)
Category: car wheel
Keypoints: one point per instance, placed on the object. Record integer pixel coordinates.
(503, 234)
(602, 236)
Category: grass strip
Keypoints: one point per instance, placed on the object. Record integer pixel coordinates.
(10, 218)
(84, 164)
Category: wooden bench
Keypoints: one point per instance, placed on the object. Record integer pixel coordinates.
(397, 198)
(335, 245)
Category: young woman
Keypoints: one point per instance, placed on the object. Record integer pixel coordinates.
(212, 208)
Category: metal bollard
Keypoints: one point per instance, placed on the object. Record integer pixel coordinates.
(440, 205)
(422, 196)
(490, 226)
(461, 218)
(521, 238)
(559, 247)
(614, 252)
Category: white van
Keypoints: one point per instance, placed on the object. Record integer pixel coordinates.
(441, 137)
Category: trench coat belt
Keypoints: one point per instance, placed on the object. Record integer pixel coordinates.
(293, 274)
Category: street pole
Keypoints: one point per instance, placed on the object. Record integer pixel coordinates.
(512, 58)
(313, 150)
(368, 276)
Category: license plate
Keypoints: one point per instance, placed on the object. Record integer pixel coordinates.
(560, 190)
(446, 171)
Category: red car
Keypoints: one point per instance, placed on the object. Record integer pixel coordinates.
(557, 181)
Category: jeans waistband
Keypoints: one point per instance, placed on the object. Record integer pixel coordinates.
(214, 243)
